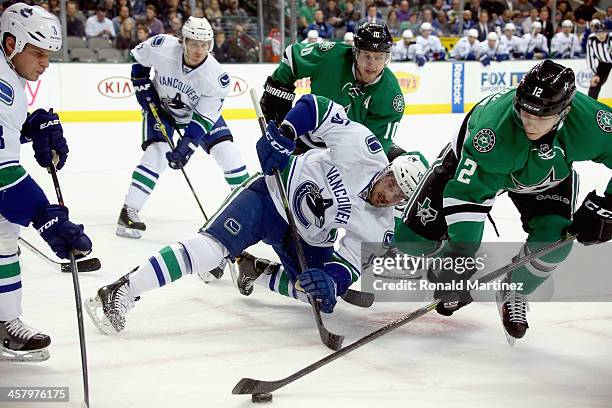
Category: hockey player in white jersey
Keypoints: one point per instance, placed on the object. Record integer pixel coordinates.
(29, 34)
(565, 44)
(535, 44)
(511, 42)
(468, 47)
(404, 49)
(188, 91)
(492, 50)
(347, 185)
(429, 47)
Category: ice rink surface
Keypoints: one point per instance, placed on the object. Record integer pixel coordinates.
(187, 344)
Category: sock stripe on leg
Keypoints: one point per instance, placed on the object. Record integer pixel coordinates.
(149, 172)
(174, 269)
(160, 275)
(142, 179)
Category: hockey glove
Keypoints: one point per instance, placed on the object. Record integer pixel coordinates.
(62, 235)
(529, 55)
(45, 131)
(420, 60)
(593, 221)
(471, 57)
(502, 57)
(274, 149)
(485, 60)
(145, 93)
(451, 300)
(441, 56)
(178, 158)
(324, 285)
(276, 100)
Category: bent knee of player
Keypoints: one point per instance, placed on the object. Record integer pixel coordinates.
(9, 233)
(154, 157)
(205, 252)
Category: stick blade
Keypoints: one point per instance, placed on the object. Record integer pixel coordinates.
(251, 386)
(84, 265)
(360, 299)
(331, 340)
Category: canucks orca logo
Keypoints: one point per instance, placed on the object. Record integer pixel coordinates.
(26, 12)
(157, 41)
(175, 103)
(7, 95)
(224, 80)
(317, 205)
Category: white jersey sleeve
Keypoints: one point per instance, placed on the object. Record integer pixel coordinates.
(13, 113)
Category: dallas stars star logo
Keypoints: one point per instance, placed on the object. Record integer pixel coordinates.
(547, 182)
(425, 212)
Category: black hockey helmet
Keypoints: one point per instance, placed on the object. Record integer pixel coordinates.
(547, 89)
(373, 37)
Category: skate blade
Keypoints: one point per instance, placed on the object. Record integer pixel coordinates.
(128, 232)
(500, 304)
(93, 306)
(15, 356)
(206, 276)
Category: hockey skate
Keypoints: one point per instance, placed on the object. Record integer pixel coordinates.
(112, 303)
(129, 224)
(217, 273)
(249, 269)
(513, 308)
(21, 343)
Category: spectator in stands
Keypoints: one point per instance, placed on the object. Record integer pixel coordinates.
(110, 8)
(441, 25)
(137, 8)
(453, 13)
(484, 27)
(511, 5)
(75, 26)
(349, 39)
(237, 13)
(393, 24)
(243, 48)
(403, 12)
(312, 37)
(176, 24)
(325, 30)
(525, 6)
(124, 14)
(153, 23)
(547, 27)
(126, 37)
(174, 7)
(54, 7)
(585, 12)
(142, 33)
(350, 17)
(306, 14)
(608, 20)
(412, 24)
(527, 22)
(213, 12)
(99, 26)
(372, 16)
(221, 49)
(517, 19)
(474, 7)
(332, 14)
(468, 24)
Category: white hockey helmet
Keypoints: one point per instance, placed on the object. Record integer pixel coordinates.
(408, 169)
(535, 25)
(407, 34)
(33, 25)
(472, 32)
(567, 23)
(199, 29)
(510, 27)
(348, 36)
(492, 36)
(312, 34)
(425, 26)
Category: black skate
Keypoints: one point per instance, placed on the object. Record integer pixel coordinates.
(513, 308)
(113, 302)
(21, 343)
(249, 269)
(217, 273)
(129, 224)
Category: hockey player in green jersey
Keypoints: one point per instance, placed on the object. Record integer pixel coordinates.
(355, 77)
(523, 141)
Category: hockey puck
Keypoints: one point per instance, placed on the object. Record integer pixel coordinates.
(263, 397)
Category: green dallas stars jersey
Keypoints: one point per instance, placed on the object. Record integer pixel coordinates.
(495, 155)
(379, 105)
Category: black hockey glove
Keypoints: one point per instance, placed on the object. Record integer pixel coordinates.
(455, 298)
(276, 100)
(593, 221)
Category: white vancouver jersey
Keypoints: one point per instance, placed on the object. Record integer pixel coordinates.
(402, 52)
(565, 46)
(532, 42)
(512, 45)
(499, 49)
(13, 112)
(463, 48)
(182, 90)
(326, 188)
(428, 46)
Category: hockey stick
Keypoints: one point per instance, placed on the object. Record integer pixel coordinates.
(77, 297)
(84, 265)
(162, 128)
(331, 340)
(252, 386)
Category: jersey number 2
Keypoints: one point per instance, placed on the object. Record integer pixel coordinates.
(467, 171)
